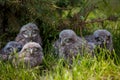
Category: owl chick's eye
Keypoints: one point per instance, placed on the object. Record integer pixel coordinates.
(27, 49)
(19, 49)
(36, 49)
(10, 49)
(108, 38)
(34, 31)
(25, 33)
(68, 40)
(97, 38)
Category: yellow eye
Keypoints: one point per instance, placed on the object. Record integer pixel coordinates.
(36, 49)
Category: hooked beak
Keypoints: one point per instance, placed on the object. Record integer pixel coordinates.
(30, 34)
(62, 43)
(31, 51)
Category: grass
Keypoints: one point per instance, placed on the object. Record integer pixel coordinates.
(83, 68)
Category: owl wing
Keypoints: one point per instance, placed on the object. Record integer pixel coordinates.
(69, 52)
(19, 37)
(85, 46)
(38, 40)
(37, 59)
(3, 55)
(56, 46)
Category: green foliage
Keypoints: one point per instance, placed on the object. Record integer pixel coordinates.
(56, 69)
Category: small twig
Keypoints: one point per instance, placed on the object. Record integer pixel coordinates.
(99, 20)
(95, 20)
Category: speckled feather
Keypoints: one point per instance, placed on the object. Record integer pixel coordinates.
(31, 59)
(101, 38)
(22, 39)
(69, 50)
(10, 48)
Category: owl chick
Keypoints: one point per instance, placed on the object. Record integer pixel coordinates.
(31, 54)
(69, 45)
(101, 38)
(11, 47)
(29, 32)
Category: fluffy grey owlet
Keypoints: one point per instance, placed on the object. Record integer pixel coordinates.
(69, 45)
(101, 38)
(10, 47)
(31, 54)
(29, 33)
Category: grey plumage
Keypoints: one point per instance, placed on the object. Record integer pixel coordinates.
(10, 47)
(56, 46)
(31, 54)
(101, 38)
(92, 47)
(69, 45)
(29, 32)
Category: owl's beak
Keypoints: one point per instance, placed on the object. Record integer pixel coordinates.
(30, 34)
(62, 43)
(31, 51)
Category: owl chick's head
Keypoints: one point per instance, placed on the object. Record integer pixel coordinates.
(102, 37)
(67, 37)
(29, 30)
(12, 47)
(31, 54)
(31, 48)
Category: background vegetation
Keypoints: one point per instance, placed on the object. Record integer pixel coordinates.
(52, 16)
